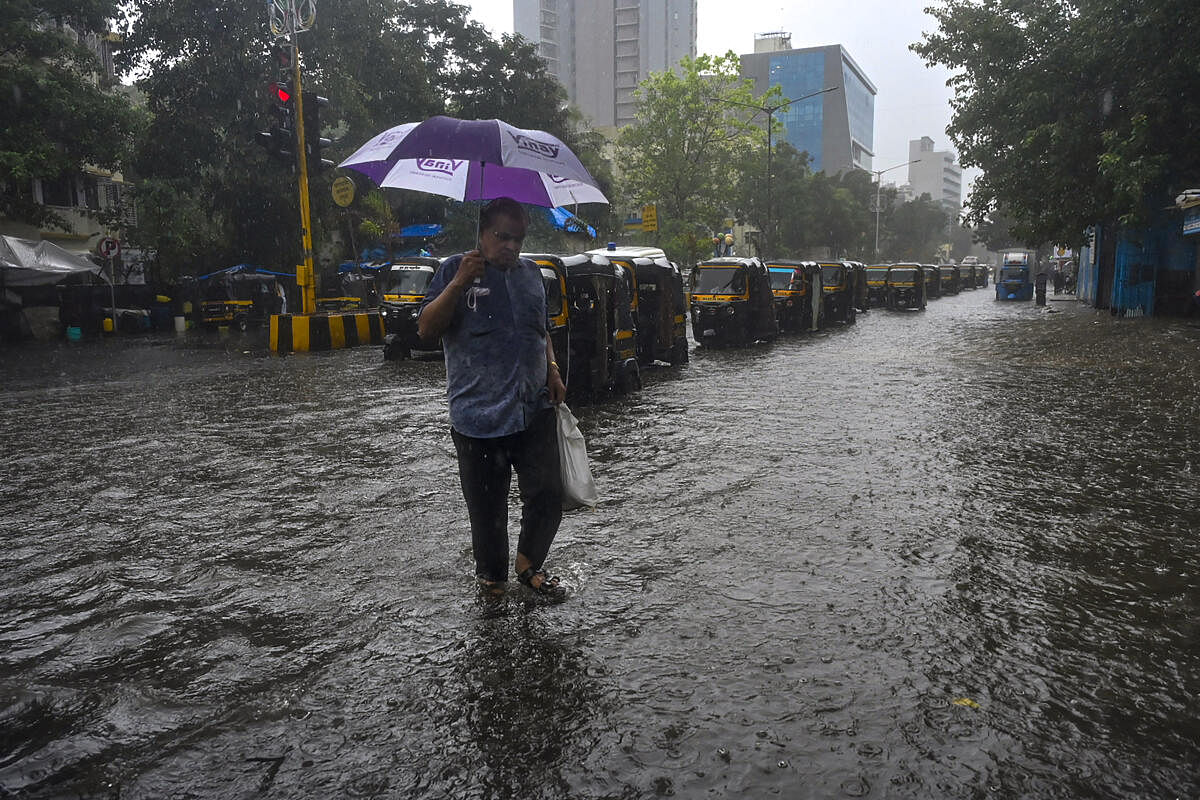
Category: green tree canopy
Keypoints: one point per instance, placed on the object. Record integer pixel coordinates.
(57, 115)
(915, 230)
(684, 148)
(1076, 112)
(205, 70)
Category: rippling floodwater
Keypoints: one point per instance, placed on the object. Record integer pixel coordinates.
(939, 554)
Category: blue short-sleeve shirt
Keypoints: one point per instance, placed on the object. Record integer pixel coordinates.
(495, 349)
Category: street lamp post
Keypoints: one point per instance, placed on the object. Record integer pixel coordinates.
(770, 112)
(878, 173)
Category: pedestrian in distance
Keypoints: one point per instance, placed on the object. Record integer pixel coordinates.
(489, 308)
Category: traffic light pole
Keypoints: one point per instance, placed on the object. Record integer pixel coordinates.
(305, 274)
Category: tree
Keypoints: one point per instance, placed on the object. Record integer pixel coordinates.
(794, 191)
(57, 115)
(1076, 112)
(683, 149)
(205, 70)
(915, 230)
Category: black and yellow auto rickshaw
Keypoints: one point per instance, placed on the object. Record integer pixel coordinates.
(906, 286)
(949, 279)
(966, 277)
(840, 282)
(933, 281)
(360, 284)
(875, 278)
(603, 339)
(732, 302)
(797, 289)
(661, 303)
(558, 309)
(982, 272)
(405, 284)
(243, 297)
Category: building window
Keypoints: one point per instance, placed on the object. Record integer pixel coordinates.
(91, 192)
(59, 191)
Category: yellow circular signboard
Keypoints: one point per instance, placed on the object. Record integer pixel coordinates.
(343, 191)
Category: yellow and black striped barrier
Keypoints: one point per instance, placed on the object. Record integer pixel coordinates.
(301, 333)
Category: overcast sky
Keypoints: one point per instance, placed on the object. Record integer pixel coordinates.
(912, 99)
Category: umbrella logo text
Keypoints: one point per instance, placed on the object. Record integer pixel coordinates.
(446, 166)
(534, 146)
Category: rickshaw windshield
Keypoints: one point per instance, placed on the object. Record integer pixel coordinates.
(409, 281)
(903, 276)
(216, 290)
(877, 274)
(783, 279)
(831, 276)
(720, 280)
(554, 297)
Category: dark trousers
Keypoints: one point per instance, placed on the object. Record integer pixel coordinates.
(485, 468)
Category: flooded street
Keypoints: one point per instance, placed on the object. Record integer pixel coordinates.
(947, 553)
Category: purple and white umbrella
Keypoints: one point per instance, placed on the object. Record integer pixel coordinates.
(476, 160)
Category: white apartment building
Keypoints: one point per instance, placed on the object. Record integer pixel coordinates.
(936, 174)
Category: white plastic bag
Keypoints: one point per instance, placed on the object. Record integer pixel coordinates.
(579, 488)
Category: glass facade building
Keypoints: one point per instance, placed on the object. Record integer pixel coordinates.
(798, 75)
(836, 129)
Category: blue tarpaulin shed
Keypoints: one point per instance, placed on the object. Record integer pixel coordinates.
(246, 269)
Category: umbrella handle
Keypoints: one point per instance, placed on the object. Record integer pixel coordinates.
(477, 242)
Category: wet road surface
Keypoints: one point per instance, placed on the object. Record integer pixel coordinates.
(938, 554)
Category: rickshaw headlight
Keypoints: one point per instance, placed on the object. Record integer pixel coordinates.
(729, 310)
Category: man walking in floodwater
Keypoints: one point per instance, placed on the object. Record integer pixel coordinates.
(489, 308)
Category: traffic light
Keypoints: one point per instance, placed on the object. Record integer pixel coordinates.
(313, 142)
(279, 140)
(281, 55)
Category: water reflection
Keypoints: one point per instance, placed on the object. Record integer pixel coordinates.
(525, 690)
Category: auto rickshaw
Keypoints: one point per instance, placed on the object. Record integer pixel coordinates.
(797, 289)
(875, 278)
(243, 296)
(906, 287)
(661, 303)
(840, 282)
(558, 311)
(933, 281)
(731, 302)
(405, 284)
(361, 282)
(1013, 283)
(603, 346)
(949, 279)
(966, 277)
(981, 275)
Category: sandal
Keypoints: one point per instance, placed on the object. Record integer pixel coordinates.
(490, 588)
(548, 587)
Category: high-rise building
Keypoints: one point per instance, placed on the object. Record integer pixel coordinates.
(935, 174)
(600, 50)
(836, 129)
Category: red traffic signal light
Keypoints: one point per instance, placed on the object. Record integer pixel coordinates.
(282, 92)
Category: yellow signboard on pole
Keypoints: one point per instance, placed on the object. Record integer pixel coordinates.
(650, 218)
(343, 191)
